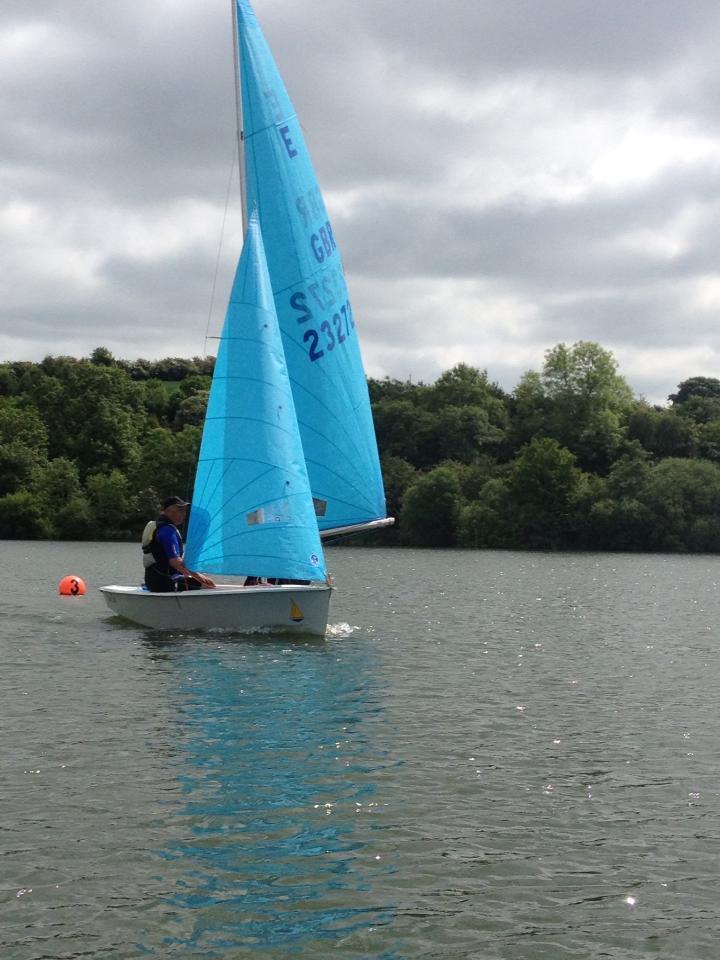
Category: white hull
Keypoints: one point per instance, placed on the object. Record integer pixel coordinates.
(285, 609)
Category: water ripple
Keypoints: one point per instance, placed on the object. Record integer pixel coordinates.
(499, 755)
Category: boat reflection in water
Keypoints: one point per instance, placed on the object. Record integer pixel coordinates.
(282, 823)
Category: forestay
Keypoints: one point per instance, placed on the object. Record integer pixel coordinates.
(252, 510)
(313, 308)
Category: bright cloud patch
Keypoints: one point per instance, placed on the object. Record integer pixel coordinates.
(500, 179)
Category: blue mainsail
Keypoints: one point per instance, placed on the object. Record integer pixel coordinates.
(311, 299)
(252, 509)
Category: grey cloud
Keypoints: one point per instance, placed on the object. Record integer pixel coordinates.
(651, 320)
(483, 37)
(132, 110)
(125, 105)
(546, 245)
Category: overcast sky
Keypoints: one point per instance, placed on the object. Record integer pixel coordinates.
(502, 175)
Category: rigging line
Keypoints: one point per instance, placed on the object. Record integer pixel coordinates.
(220, 246)
(189, 482)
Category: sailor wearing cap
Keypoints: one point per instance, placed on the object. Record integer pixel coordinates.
(162, 546)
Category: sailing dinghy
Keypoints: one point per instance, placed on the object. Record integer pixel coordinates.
(288, 452)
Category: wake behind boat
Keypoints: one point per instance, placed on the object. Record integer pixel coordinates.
(288, 452)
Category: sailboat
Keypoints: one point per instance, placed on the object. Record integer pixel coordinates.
(288, 455)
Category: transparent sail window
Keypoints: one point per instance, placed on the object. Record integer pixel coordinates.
(279, 512)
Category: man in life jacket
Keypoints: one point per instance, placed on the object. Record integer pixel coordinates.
(162, 546)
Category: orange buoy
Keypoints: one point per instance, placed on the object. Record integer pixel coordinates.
(71, 587)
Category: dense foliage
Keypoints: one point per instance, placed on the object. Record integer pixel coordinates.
(88, 447)
(569, 460)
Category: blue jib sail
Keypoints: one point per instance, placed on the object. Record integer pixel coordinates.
(311, 299)
(252, 509)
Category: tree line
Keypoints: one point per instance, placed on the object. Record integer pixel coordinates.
(569, 460)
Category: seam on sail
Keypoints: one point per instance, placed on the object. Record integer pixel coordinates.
(364, 454)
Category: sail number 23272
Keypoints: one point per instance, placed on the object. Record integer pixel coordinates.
(326, 334)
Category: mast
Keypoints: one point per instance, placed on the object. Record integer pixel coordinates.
(239, 115)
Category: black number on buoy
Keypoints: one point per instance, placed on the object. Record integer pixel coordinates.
(75, 588)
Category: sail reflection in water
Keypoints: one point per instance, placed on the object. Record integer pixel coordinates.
(281, 822)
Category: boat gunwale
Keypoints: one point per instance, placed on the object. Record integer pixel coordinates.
(220, 589)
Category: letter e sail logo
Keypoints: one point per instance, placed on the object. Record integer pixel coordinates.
(296, 613)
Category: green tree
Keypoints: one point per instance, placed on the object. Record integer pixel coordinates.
(20, 422)
(404, 430)
(144, 505)
(398, 475)
(626, 524)
(93, 413)
(618, 517)
(191, 410)
(471, 413)
(9, 382)
(708, 440)
(102, 357)
(21, 518)
(39, 390)
(173, 368)
(138, 370)
(23, 443)
(388, 389)
(529, 410)
(155, 399)
(544, 488)
(60, 497)
(580, 400)
(484, 522)
(167, 462)
(466, 386)
(663, 433)
(192, 385)
(430, 509)
(111, 504)
(463, 433)
(701, 410)
(74, 521)
(696, 387)
(629, 476)
(56, 482)
(474, 476)
(684, 496)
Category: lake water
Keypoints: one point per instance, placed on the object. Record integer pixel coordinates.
(492, 755)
